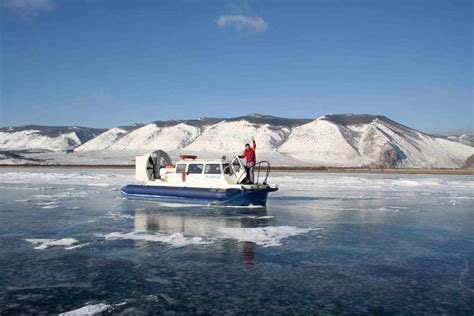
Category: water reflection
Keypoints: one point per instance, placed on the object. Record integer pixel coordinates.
(191, 225)
(199, 225)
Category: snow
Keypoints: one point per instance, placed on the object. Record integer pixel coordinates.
(151, 137)
(229, 137)
(32, 139)
(63, 176)
(104, 140)
(463, 139)
(324, 143)
(6, 160)
(422, 150)
(312, 184)
(91, 309)
(321, 143)
(345, 141)
(41, 179)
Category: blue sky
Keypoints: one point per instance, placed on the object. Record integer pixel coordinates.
(113, 62)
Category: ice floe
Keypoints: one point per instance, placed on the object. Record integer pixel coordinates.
(42, 243)
(50, 206)
(76, 246)
(264, 217)
(98, 184)
(264, 236)
(91, 309)
(174, 240)
(117, 216)
(47, 205)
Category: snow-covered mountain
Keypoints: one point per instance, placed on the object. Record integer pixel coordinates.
(104, 140)
(366, 140)
(54, 138)
(332, 140)
(463, 139)
(151, 136)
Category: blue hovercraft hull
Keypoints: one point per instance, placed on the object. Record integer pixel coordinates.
(231, 197)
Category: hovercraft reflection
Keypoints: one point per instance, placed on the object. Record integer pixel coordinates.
(152, 222)
(198, 181)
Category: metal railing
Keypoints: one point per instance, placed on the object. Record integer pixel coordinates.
(264, 166)
(261, 166)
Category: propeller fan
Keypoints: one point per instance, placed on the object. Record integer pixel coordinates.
(157, 160)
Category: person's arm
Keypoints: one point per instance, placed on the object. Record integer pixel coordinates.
(242, 156)
(254, 144)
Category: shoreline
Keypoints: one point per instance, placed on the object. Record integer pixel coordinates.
(439, 171)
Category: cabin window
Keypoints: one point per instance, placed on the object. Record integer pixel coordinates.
(195, 168)
(227, 169)
(180, 168)
(213, 169)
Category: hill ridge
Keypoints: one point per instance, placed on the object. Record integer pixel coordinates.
(330, 140)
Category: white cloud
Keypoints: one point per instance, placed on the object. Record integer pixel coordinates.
(243, 23)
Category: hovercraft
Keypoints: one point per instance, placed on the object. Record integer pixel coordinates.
(198, 181)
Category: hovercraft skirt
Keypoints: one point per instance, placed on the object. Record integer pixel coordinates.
(232, 196)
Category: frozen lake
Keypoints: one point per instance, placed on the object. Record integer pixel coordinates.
(326, 243)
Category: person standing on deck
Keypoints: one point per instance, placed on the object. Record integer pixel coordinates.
(249, 155)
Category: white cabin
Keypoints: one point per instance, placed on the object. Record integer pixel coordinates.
(190, 171)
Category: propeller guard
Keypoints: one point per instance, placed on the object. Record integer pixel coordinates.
(147, 167)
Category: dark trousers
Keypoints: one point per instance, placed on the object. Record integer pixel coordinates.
(249, 167)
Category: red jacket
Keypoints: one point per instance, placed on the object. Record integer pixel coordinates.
(249, 154)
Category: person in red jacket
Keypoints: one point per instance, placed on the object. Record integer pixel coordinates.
(249, 155)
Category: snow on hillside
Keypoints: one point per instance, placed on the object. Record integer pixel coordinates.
(322, 143)
(364, 140)
(350, 140)
(29, 139)
(463, 139)
(104, 140)
(11, 160)
(227, 137)
(152, 137)
(54, 138)
(406, 147)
